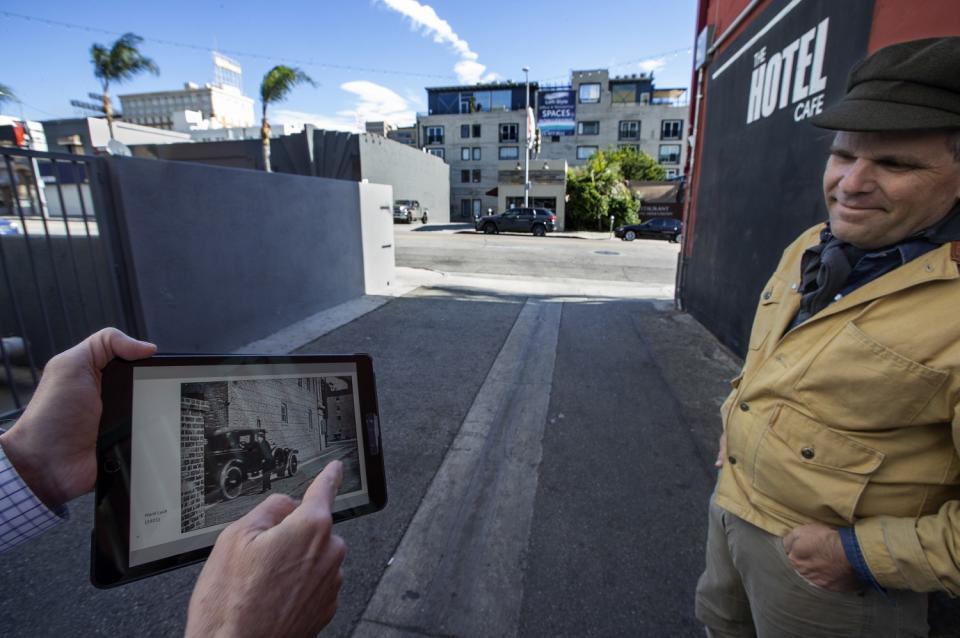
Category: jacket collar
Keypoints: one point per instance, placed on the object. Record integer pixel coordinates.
(936, 265)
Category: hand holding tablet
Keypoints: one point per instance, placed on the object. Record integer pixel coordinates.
(189, 444)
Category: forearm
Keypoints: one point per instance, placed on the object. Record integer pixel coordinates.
(921, 554)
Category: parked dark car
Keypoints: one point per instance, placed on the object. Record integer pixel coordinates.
(407, 210)
(538, 221)
(232, 455)
(658, 228)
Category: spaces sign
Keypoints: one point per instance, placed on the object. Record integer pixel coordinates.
(557, 112)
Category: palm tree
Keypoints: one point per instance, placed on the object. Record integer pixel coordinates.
(276, 84)
(6, 94)
(118, 64)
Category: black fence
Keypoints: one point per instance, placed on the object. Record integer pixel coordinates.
(58, 275)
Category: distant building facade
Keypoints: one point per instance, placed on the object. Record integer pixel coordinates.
(405, 135)
(223, 102)
(479, 129)
(379, 128)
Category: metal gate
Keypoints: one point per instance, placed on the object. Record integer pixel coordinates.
(58, 274)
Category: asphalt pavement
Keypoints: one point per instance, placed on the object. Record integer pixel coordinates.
(548, 441)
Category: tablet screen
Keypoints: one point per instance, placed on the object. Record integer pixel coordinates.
(208, 443)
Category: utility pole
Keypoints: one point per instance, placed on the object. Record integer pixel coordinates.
(526, 153)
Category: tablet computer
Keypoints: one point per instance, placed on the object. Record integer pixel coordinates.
(189, 444)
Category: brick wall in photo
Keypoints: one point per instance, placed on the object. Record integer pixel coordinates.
(192, 440)
(286, 408)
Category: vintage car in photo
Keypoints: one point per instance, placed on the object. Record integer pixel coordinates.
(232, 455)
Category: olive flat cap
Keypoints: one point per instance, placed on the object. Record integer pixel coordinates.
(906, 86)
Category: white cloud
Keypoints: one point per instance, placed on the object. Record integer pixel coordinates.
(336, 123)
(374, 103)
(423, 17)
(652, 65)
(378, 103)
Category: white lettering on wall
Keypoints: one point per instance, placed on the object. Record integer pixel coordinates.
(791, 76)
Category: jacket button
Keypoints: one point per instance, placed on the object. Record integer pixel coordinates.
(732, 459)
(767, 295)
(807, 453)
(745, 406)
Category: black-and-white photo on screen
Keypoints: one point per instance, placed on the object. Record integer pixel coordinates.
(242, 440)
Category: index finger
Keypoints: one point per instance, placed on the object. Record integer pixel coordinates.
(322, 492)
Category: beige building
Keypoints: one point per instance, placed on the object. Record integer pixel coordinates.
(548, 187)
(224, 105)
(476, 129)
(624, 111)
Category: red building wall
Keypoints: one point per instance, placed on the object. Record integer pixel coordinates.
(720, 301)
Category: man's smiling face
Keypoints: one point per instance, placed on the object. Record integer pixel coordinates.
(882, 187)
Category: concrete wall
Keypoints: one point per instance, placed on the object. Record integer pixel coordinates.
(413, 174)
(223, 257)
(376, 231)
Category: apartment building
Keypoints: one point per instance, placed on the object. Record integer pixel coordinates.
(613, 112)
(473, 128)
(477, 128)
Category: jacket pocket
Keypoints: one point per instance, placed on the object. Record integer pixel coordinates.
(858, 383)
(804, 467)
(763, 321)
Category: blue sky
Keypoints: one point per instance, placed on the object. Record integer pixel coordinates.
(371, 58)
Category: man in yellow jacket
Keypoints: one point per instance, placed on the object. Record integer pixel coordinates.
(838, 499)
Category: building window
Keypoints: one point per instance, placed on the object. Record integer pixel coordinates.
(554, 139)
(476, 153)
(588, 128)
(434, 134)
(283, 412)
(630, 130)
(476, 176)
(672, 173)
(584, 152)
(310, 419)
(465, 153)
(624, 93)
(476, 130)
(464, 130)
(509, 132)
(671, 129)
(669, 154)
(635, 147)
(299, 382)
(465, 176)
(436, 151)
(590, 93)
(509, 152)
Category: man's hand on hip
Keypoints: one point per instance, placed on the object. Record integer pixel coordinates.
(816, 552)
(722, 454)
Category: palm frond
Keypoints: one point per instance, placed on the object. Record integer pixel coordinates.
(279, 81)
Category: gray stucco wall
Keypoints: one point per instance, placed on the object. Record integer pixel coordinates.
(222, 257)
(413, 174)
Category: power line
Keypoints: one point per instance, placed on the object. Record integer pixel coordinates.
(245, 54)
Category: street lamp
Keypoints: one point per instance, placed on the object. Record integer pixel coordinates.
(526, 152)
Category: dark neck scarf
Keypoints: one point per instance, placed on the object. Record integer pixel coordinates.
(824, 268)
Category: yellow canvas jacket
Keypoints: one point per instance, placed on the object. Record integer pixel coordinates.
(853, 418)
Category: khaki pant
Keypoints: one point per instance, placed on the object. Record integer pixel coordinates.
(749, 588)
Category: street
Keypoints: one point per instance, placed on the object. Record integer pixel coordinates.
(548, 453)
